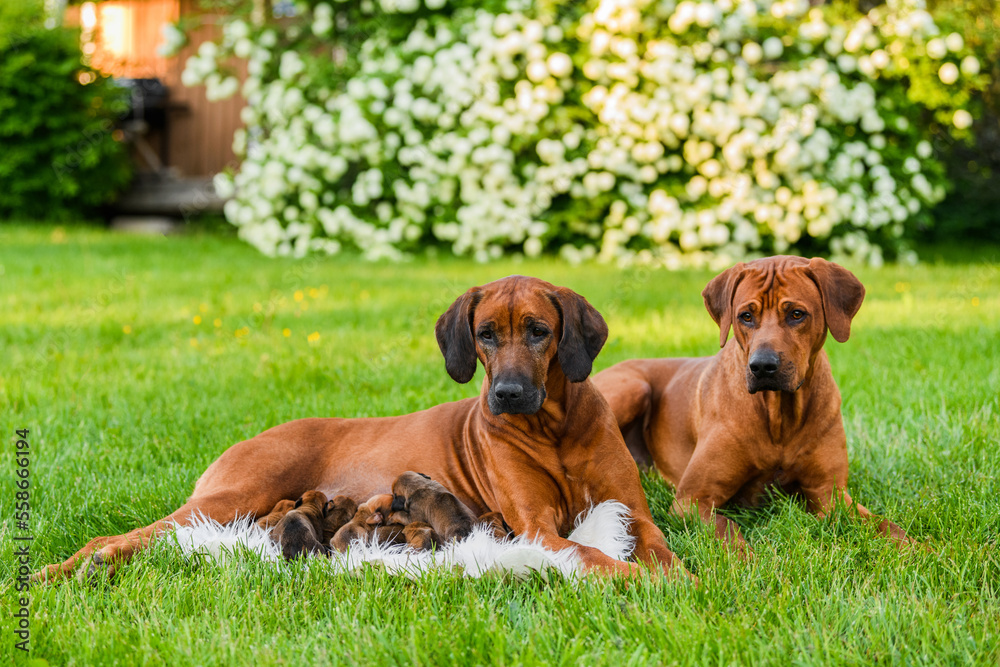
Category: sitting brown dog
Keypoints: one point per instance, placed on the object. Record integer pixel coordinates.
(272, 518)
(765, 411)
(368, 517)
(337, 513)
(299, 531)
(417, 497)
(494, 521)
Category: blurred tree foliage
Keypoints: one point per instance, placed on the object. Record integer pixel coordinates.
(60, 156)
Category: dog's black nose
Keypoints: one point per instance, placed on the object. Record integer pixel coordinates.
(764, 363)
(508, 391)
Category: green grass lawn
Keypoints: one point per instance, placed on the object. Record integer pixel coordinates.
(136, 362)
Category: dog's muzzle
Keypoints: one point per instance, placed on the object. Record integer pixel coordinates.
(766, 372)
(514, 396)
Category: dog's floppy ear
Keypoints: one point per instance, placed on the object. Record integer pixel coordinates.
(718, 296)
(374, 519)
(842, 295)
(454, 336)
(584, 332)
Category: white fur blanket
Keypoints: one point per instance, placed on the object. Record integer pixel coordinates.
(604, 527)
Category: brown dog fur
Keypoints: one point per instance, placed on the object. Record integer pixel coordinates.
(420, 498)
(495, 522)
(338, 512)
(299, 532)
(369, 516)
(539, 444)
(390, 533)
(271, 519)
(717, 431)
(421, 536)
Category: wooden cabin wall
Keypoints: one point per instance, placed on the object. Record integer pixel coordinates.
(126, 37)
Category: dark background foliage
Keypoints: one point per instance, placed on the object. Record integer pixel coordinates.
(972, 209)
(60, 153)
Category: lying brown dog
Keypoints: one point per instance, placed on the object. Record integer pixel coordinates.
(338, 512)
(417, 497)
(272, 518)
(299, 532)
(539, 444)
(764, 411)
(369, 516)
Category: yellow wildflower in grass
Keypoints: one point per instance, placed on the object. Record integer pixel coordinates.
(286, 332)
(299, 295)
(217, 322)
(975, 302)
(902, 287)
(196, 319)
(194, 342)
(313, 293)
(203, 307)
(126, 329)
(313, 337)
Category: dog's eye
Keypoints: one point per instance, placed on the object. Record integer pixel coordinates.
(486, 335)
(538, 332)
(746, 316)
(798, 314)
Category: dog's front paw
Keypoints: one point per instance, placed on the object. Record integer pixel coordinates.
(90, 571)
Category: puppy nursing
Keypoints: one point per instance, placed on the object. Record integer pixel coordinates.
(419, 513)
(417, 497)
(271, 519)
(339, 513)
(300, 530)
(370, 515)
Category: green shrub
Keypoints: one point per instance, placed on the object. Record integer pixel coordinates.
(972, 207)
(59, 156)
(659, 132)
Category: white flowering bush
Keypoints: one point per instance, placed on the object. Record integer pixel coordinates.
(667, 133)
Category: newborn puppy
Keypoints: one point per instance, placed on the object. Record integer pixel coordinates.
(494, 521)
(421, 536)
(300, 530)
(417, 497)
(271, 519)
(337, 513)
(369, 515)
(392, 533)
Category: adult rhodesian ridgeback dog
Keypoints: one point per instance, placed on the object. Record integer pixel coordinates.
(539, 444)
(765, 411)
